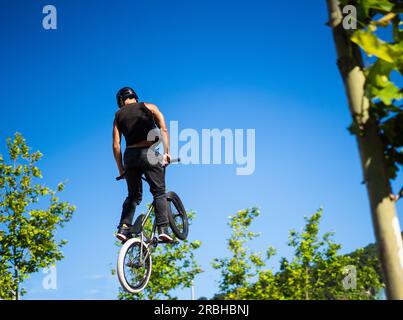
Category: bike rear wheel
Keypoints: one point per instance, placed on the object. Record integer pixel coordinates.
(134, 265)
(177, 216)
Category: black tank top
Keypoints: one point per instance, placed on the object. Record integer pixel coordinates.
(135, 121)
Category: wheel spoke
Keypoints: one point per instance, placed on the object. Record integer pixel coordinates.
(135, 268)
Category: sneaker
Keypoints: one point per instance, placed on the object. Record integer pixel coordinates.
(163, 234)
(123, 233)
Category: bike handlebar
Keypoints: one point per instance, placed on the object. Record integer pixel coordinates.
(124, 173)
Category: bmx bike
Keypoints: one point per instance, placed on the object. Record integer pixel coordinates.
(134, 262)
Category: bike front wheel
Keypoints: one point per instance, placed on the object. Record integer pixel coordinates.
(177, 216)
(134, 265)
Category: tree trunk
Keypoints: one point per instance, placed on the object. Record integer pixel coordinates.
(16, 277)
(306, 283)
(384, 217)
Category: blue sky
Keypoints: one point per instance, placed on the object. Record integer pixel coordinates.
(264, 65)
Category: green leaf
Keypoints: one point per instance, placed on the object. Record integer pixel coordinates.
(380, 5)
(387, 93)
(372, 45)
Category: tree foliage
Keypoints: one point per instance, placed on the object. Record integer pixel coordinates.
(174, 267)
(385, 63)
(368, 256)
(27, 229)
(244, 264)
(315, 271)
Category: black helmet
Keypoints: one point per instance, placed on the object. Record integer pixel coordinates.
(125, 93)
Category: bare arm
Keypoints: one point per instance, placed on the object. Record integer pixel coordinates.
(161, 121)
(116, 136)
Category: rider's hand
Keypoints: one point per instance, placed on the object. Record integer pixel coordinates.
(166, 159)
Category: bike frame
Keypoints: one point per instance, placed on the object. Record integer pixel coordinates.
(153, 239)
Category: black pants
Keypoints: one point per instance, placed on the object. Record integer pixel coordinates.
(136, 164)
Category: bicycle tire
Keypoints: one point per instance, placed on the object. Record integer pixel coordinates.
(181, 230)
(123, 277)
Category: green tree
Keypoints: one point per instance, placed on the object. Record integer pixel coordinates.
(27, 229)
(374, 102)
(369, 256)
(315, 271)
(243, 264)
(174, 267)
